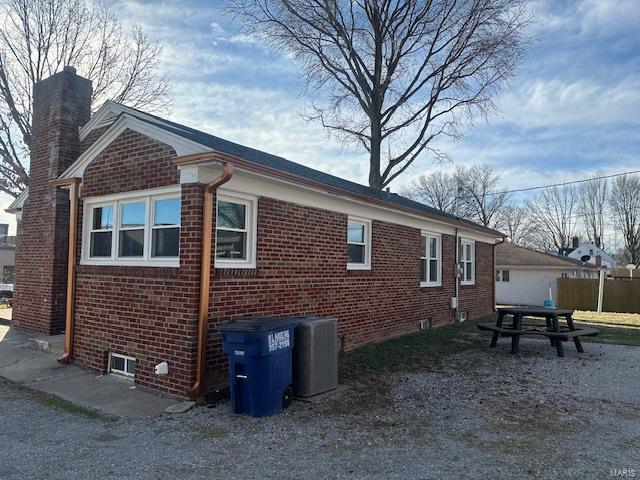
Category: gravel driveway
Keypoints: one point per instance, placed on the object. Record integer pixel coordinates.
(479, 414)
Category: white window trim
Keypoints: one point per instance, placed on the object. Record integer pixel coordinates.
(367, 243)
(463, 242)
(122, 373)
(148, 196)
(438, 237)
(251, 226)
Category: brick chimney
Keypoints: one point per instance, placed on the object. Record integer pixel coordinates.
(61, 105)
(575, 243)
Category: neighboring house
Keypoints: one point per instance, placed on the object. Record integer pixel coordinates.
(7, 255)
(588, 253)
(524, 276)
(284, 240)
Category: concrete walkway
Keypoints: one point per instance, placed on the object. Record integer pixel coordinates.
(39, 370)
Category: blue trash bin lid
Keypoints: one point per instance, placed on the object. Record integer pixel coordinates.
(257, 324)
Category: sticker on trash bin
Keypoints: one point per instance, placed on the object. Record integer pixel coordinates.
(278, 340)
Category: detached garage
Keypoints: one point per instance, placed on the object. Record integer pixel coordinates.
(525, 276)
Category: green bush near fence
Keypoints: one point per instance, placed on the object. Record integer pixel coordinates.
(621, 296)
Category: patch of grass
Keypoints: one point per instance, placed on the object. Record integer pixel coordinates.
(615, 334)
(209, 431)
(411, 352)
(623, 319)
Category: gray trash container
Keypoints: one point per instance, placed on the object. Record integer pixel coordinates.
(315, 356)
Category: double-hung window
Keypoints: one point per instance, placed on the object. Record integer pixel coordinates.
(132, 219)
(101, 236)
(358, 244)
(141, 228)
(431, 260)
(236, 231)
(467, 257)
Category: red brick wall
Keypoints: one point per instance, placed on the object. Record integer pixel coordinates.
(61, 104)
(149, 313)
(301, 258)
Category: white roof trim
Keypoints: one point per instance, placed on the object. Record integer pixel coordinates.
(181, 145)
(108, 113)
(19, 200)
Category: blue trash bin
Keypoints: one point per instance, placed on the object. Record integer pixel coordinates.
(260, 358)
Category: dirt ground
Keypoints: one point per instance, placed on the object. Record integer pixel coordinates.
(476, 414)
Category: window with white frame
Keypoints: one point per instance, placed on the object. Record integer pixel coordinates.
(101, 237)
(122, 365)
(467, 260)
(430, 260)
(358, 244)
(236, 231)
(141, 228)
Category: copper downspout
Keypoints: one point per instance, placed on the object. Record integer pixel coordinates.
(73, 184)
(205, 275)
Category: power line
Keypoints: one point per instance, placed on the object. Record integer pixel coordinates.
(563, 184)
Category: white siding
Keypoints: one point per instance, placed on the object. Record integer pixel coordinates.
(528, 286)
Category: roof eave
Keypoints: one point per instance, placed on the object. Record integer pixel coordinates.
(224, 157)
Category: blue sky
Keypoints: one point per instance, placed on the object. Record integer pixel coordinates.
(573, 108)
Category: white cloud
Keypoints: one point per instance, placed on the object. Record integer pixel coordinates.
(553, 102)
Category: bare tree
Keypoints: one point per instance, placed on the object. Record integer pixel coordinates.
(625, 203)
(481, 198)
(593, 200)
(553, 217)
(394, 75)
(517, 225)
(438, 189)
(38, 38)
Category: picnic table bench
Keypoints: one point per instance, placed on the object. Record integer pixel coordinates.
(553, 330)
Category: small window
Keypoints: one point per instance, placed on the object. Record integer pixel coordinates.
(505, 275)
(235, 227)
(101, 231)
(430, 260)
(358, 244)
(498, 275)
(122, 365)
(467, 261)
(165, 237)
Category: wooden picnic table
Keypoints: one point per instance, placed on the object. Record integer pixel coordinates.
(556, 332)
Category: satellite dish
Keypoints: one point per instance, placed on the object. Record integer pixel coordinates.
(585, 258)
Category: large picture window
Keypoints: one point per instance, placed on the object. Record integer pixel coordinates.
(235, 231)
(358, 244)
(141, 228)
(430, 260)
(467, 257)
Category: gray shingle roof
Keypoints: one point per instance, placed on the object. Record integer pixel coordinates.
(282, 164)
(508, 254)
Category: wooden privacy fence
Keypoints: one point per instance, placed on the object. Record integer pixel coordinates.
(582, 294)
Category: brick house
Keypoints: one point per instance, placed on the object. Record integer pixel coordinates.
(134, 198)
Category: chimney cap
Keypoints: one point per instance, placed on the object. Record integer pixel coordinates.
(70, 69)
